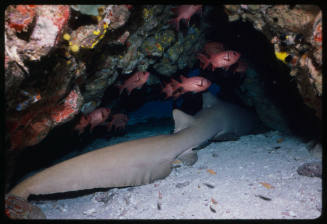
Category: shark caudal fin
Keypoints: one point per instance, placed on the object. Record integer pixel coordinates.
(182, 120)
(209, 100)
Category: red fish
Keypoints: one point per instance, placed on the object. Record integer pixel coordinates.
(194, 84)
(135, 81)
(177, 89)
(211, 48)
(98, 116)
(118, 121)
(83, 123)
(223, 59)
(184, 12)
(168, 90)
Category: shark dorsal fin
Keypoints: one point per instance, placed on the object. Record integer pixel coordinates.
(208, 100)
(182, 120)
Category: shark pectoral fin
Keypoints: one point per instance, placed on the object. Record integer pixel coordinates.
(161, 171)
(225, 137)
(189, 157)
(182, 120)
(202, 145)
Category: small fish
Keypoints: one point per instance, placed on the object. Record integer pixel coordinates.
(82, 124)
(194, 84)
(98, 116)
(168, 90)
(32, 99)
(135, 81)
(222, 59)
(119, 121)
(184, 12)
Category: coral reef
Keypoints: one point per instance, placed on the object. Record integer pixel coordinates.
(296, 33)
(88, 57)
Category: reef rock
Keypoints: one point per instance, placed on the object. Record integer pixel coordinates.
(296, 33)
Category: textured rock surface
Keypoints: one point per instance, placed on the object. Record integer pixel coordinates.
(295, 31)
(313, 169)
(252, 93)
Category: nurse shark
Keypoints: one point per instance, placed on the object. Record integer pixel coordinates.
(142, 161)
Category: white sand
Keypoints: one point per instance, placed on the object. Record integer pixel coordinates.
(241, 169)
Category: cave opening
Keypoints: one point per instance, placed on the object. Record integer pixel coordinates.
(153, 44)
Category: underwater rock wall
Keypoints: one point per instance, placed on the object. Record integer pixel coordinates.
(59, 60)
(296, 33)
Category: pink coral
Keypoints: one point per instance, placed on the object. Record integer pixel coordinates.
(69, 108)
(22, 17)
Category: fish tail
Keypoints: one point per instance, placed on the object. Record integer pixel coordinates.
(175, 22)
(174, 10)
(204, 60)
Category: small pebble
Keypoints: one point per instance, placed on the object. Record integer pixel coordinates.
(212, 209)
(209, 185)
(181, 185)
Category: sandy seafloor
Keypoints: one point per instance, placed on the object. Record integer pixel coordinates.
(227, 182)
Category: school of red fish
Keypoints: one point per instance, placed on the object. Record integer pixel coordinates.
(214, 54)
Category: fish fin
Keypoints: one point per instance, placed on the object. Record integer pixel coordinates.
(225, 137)
(188, 157)
(202, 145)
(203, 59)
(183, 78)
(209, 100)
(182, 120)
(175, 22)
(174, 10)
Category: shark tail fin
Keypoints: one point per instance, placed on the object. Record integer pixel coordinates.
(208, 100)
(182, 120)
